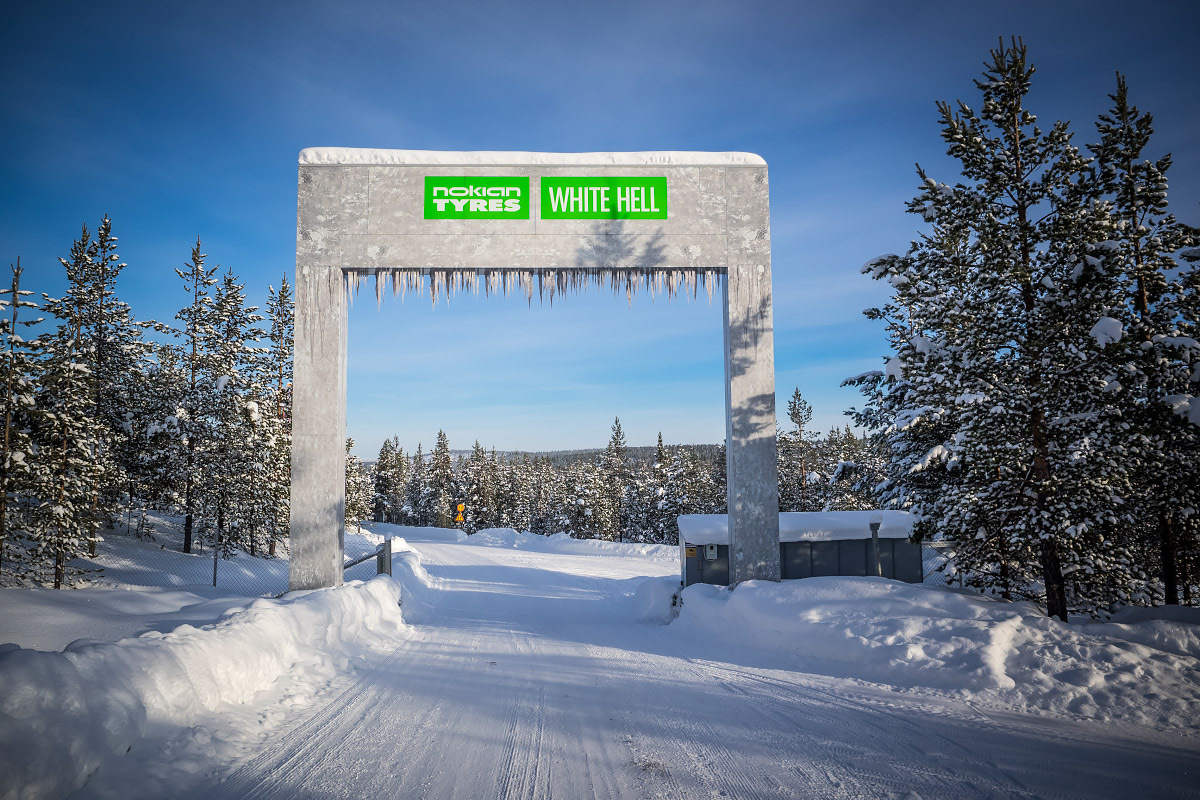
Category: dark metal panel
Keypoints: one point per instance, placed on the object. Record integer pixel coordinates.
(852, 556)
(795, 559)
(824, 559)
(908, 561)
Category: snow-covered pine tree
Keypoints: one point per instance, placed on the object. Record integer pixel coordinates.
(855, 467)
(612, 512)
(359, 491)
(547, 492)
(198, 399)
(110, 348)
(661, 526)
(68, 437)
(278, 413)
(585, 512)
(19, 403)
(155, 453)
(232, 492)
(416, 491)
(381, 476)
(477, 482)
(999, 386)
(118, 355)
(1156, 359)
(519, 494)
(794, 453)
(441, 490)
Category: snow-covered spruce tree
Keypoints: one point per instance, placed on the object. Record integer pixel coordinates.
(198, 399)
(1188, 406)
(441, 489)
(612, 511)
(111, 348)
(381, 476)
(477, 481)
(18, 401)
(154, 452)
(118, 364)
(586, 514)
(519, 493)
(546, 495)
(277, 414)
(68, 438)
(231, 489)
(359, 491)
(416, 492)
(660, 524)
(855, 467)
(795, 453)
(1000, 425)
(1157, 361)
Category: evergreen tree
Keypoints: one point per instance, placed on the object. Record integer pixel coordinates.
(63, 520)
(198, 399)
(19, 404)
(1155, 358)
(998, 424)
(441, 489)
(278, 419)
(611, 511)
(233, 488)
(359, 491)
(479, 490)
(416, 493)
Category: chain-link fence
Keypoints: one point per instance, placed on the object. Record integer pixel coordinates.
(937, 560)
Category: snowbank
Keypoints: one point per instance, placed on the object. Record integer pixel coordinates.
(555, 544)
(62, 715)
(988, 651)
(655, 600)
(803, 526)
(564, 544)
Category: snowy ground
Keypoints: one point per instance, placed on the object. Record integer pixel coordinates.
(533, 667)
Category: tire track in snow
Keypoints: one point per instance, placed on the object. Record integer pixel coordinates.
(321, 740)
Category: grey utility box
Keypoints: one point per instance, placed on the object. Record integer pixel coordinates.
(811, 544)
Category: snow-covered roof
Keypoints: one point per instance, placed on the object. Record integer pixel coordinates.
(802, 526)
(492, 158)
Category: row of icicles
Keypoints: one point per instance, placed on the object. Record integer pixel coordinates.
(544, 282)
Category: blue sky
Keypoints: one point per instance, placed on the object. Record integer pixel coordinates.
(185, 120)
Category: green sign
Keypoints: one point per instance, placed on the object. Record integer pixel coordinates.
(604, 198)
(476, 198)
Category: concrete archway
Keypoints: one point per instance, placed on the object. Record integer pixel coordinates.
(557, 220)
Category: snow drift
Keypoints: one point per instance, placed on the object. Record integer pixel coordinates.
(995, 653)
(64, 714)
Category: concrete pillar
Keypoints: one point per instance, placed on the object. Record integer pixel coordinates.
(752, 468)
(332, 204)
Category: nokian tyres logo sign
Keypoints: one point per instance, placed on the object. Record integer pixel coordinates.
(562, 197)
(476, 198)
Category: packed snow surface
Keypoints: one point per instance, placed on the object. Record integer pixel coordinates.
(531, 666)
(803, 526)
(494, 158)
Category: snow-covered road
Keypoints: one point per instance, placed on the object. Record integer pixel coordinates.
(527, 676)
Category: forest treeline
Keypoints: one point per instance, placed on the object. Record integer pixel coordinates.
(106, 416)
(612, 495)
